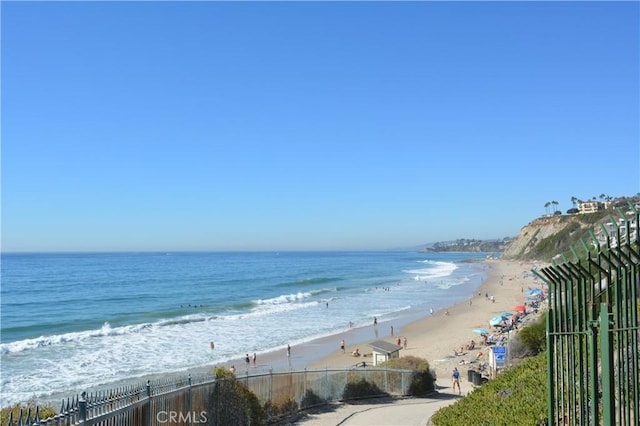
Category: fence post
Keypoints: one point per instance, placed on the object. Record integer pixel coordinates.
(608, 402)
(82, 408)
(593, 362)
(148, 417)
(188, 407)
(550, 369)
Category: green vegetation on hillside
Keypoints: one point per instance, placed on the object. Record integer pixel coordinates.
(518, 396)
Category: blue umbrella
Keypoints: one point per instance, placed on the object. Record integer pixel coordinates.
(506, 314)
(480, 331)
(534, 291)
(496, 320)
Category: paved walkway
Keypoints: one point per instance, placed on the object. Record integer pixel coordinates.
(380, 412)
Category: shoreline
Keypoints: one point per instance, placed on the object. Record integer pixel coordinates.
(435, 337)
(432, 337)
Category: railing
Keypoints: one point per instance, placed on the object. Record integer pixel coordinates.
(593, 337)
(196, 400)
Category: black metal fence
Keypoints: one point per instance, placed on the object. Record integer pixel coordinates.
(193, 401)
(593, 338)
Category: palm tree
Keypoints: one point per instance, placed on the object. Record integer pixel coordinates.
(574, 201)
(546, 207)
(555, 204)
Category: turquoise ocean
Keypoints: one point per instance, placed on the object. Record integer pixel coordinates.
(75, 321)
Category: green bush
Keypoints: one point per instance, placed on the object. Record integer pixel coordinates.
(29, 408)
(281, 407)
(534, 336)
(361, 389)
(407, 363)
(518, 396)
(310, 399)
(231, 403)
(422, 381)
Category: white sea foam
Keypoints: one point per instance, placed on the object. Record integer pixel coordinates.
(432, 271)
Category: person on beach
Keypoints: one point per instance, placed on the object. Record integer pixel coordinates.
(254, 359)
(375, 321)
(391, 331)
(342, 345)
(232, 369)
(405, 343)
(456, 380)
(399, 342)
(246, 360)
(288, 351)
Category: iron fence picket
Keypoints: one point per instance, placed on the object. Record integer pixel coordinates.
(593, 337)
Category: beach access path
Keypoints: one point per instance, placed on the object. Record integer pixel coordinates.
(382, 412)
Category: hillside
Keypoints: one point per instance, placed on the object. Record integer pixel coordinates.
(547, 237)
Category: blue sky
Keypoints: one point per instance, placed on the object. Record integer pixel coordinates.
(309, 125)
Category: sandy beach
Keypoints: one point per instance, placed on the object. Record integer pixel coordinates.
(437, 336)
(434, 337)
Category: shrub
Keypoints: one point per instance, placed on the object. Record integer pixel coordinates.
(233, 403)
(310, 399)
(407, 363)
(280, 407)
(534, 336)
(29, 408)
(518, 396)
(361, 389)
(222, 373)
(422, 381)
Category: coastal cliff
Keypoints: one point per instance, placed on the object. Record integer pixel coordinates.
(549, 236)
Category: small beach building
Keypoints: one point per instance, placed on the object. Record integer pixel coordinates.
(383, 351)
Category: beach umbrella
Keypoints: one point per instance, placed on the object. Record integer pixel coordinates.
(534, 291)
(506, 314)
(480, 331)
(496, 320)
(520, 308)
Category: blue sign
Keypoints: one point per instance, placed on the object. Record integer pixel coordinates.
(498, 353)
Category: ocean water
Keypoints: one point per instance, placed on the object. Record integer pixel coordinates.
(71, 322)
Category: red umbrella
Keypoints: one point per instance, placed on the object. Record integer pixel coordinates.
(520, 308)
